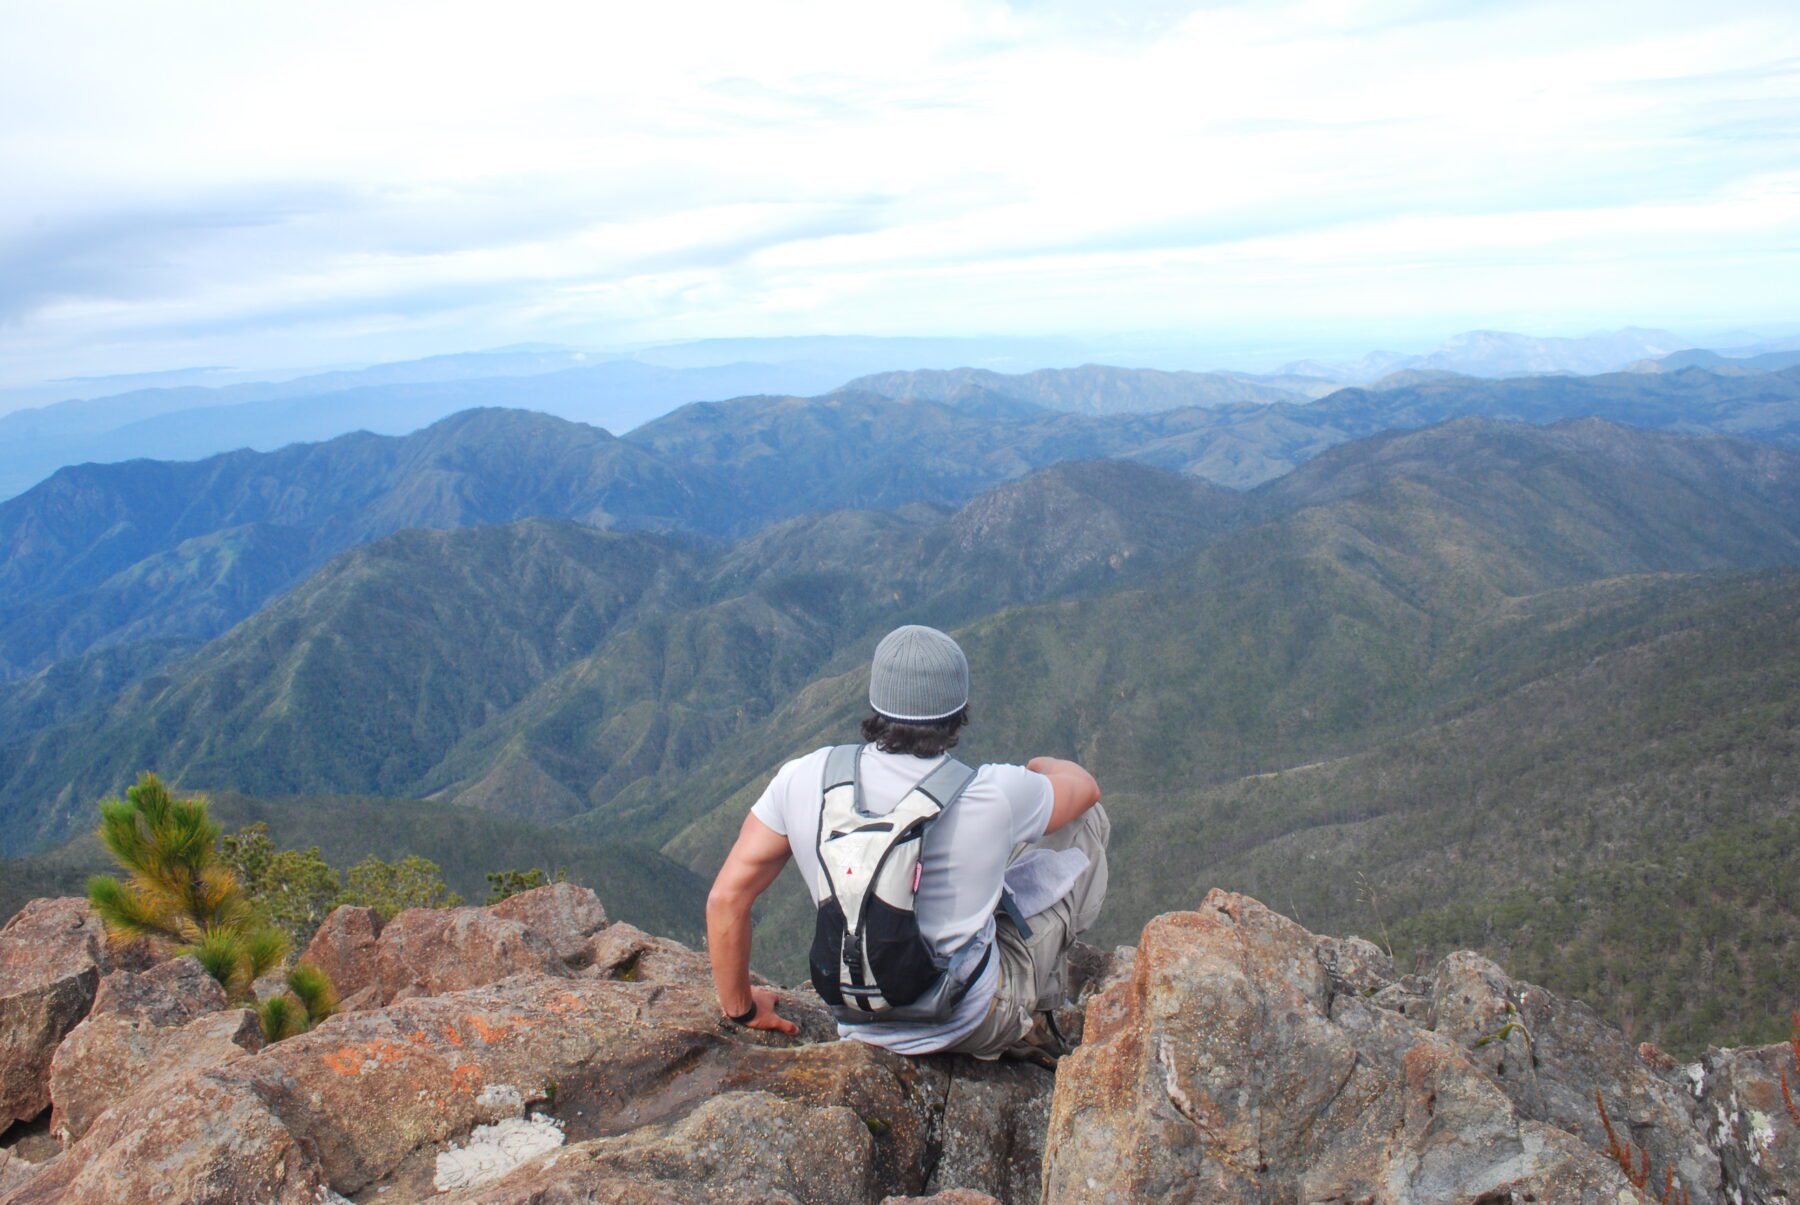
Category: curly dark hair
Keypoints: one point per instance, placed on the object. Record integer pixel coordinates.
(928, 739)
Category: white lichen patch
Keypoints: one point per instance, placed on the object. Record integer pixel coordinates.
(494, 1150)
(1762, 1130)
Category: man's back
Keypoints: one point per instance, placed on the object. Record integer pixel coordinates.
(962, 866)
(1035, 832)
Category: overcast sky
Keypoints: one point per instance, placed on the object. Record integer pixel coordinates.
(273, 185)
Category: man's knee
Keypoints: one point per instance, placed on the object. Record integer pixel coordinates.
(1093, 831)
(1092, 835)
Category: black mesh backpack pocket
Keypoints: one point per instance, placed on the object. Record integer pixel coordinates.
(827, 952)
(902, 962)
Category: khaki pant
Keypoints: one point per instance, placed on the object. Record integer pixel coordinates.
(1032, 969)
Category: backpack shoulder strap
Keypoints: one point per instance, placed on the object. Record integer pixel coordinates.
(840, 769)
(945, 785)
(840, 798)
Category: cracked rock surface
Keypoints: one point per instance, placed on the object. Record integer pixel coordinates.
(491, 1040)
(52, 955)
(1243, 1059)
(536, 1054)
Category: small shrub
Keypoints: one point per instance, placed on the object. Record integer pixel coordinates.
(392, 887)
(177, 887)
(292, 889)
(310, 998)
(503, 884)
(180, 887)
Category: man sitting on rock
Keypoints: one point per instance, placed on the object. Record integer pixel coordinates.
(947, 898)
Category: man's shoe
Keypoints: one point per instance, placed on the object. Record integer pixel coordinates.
(1043, 1044)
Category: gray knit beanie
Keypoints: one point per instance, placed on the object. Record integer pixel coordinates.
(919, 674)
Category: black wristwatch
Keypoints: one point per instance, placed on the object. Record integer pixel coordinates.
(747, 1016)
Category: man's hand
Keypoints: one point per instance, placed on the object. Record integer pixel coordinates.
(1076, 790)
(766, 1017)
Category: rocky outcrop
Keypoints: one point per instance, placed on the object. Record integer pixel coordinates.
(143, 1026)
(562, 914)
(344, 947)
(1748, 1120)
(195, 1136)
(1229, 1067)
(741, 1146)
(532, 1053)
(624, 1067)
(1551, 1056)
(52, 954)
(429, 951)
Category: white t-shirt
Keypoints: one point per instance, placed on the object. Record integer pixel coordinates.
(964, 862)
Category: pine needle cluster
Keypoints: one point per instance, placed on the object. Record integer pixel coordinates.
(309, 999)
(178, 888)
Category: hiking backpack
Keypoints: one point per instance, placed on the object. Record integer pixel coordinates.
(869, 961)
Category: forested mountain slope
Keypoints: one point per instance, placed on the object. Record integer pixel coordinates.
(540, 666)
(103, 554)
(170, 554)
(1388, 704)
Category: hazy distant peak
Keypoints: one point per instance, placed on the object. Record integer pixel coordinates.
(1489, 353)
(1415, 376)
(479, 421)
(1095, 389)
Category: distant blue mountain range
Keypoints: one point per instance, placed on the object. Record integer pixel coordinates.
(177, 419)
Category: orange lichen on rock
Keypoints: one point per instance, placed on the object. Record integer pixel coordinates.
(366, 1057)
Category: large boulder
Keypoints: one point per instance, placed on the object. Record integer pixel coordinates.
(170, 993)
(1226, 1069)
(994, 1120)
(1552, 1056)
(52, 954)
(429, 951)
(1750, 1123)
(1355, 965)
(345, 948)
(198, 1137)
(562, 914)
(144, 1025)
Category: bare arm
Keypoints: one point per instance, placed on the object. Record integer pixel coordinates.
(1076, 790)
(753, 863)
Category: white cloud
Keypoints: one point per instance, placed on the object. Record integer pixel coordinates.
(206, 182)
